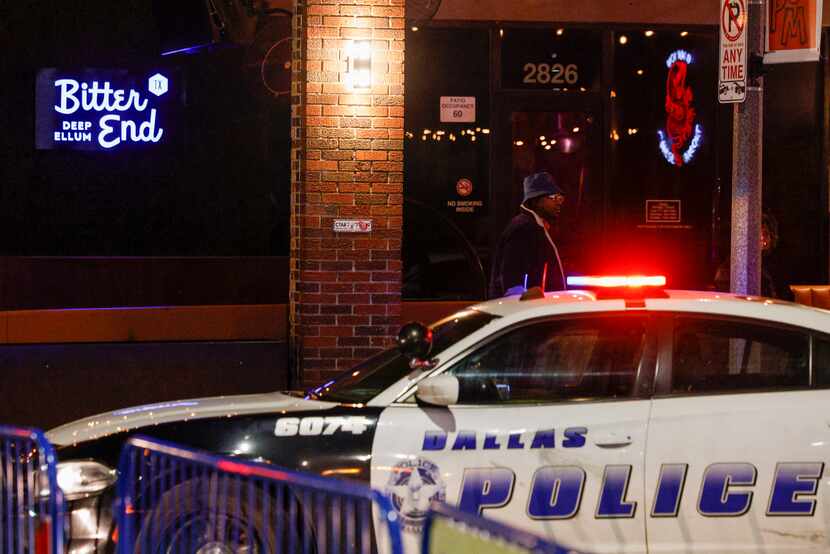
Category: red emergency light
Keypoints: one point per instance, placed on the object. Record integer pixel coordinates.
(617, 281)
(634, 289)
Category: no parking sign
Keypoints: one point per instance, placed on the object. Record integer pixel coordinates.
(732, 68)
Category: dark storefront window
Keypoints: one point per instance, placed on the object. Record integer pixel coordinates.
(193, 207)
(447, 162)
(663, 143)
(628, 122)
(793, 199)
(217, 181)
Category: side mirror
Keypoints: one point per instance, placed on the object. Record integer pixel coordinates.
(438, 391)
(415, 341)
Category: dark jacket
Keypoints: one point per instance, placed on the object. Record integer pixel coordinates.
(524, 249)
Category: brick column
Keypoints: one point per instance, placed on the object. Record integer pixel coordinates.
(347, 163)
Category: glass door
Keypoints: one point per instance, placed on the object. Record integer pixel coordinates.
(566, 144)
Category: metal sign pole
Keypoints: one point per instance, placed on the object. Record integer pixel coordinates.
(747, 166)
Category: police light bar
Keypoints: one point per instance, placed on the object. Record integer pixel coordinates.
(617, 281)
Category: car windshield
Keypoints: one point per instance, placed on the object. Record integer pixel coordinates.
(368, 379)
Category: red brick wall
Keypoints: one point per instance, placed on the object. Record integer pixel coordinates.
(347, 163)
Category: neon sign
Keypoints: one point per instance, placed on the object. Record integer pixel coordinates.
(688, 154)
(680, 55)
(102, 110)
(682, 137)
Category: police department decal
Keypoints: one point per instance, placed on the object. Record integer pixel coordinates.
(412, 486)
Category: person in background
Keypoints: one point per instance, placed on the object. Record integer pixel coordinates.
(769, 238)
(526, 255)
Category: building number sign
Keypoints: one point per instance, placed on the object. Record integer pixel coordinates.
(547, 59)
(555, 74)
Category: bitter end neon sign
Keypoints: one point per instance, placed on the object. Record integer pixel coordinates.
(682, 136)
(99, 110)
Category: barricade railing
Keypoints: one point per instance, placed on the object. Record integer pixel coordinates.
(173, 499)
(31, 504)
(448, 530)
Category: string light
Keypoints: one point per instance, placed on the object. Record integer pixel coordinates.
(649, 33)
(623, 39)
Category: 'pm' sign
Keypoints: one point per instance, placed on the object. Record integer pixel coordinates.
(793, 31)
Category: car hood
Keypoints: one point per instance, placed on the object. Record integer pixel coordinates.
(127, 419)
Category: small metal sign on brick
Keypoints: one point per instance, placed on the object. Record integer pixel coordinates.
(732, 68)
(352, 226)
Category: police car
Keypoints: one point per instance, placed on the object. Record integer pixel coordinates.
(619, 419)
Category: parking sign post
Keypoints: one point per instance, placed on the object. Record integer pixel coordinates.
(743, 20)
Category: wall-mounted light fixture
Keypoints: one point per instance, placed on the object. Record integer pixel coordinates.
(359, 73)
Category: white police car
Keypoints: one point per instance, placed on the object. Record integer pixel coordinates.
(630, 420)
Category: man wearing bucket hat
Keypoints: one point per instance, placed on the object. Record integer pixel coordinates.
(526, 255)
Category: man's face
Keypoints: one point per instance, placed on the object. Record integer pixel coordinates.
(550, 206)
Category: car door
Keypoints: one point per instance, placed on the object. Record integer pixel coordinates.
(737, 441)
(548, 434)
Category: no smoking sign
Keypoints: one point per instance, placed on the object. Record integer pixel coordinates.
(732, 68)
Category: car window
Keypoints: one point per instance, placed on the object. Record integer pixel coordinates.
(584, 358)
(821, 361)
(721, 355)
(366, 380)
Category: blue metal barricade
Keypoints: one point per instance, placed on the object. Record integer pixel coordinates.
(176, 500)
(449, 531)
(31, 504)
